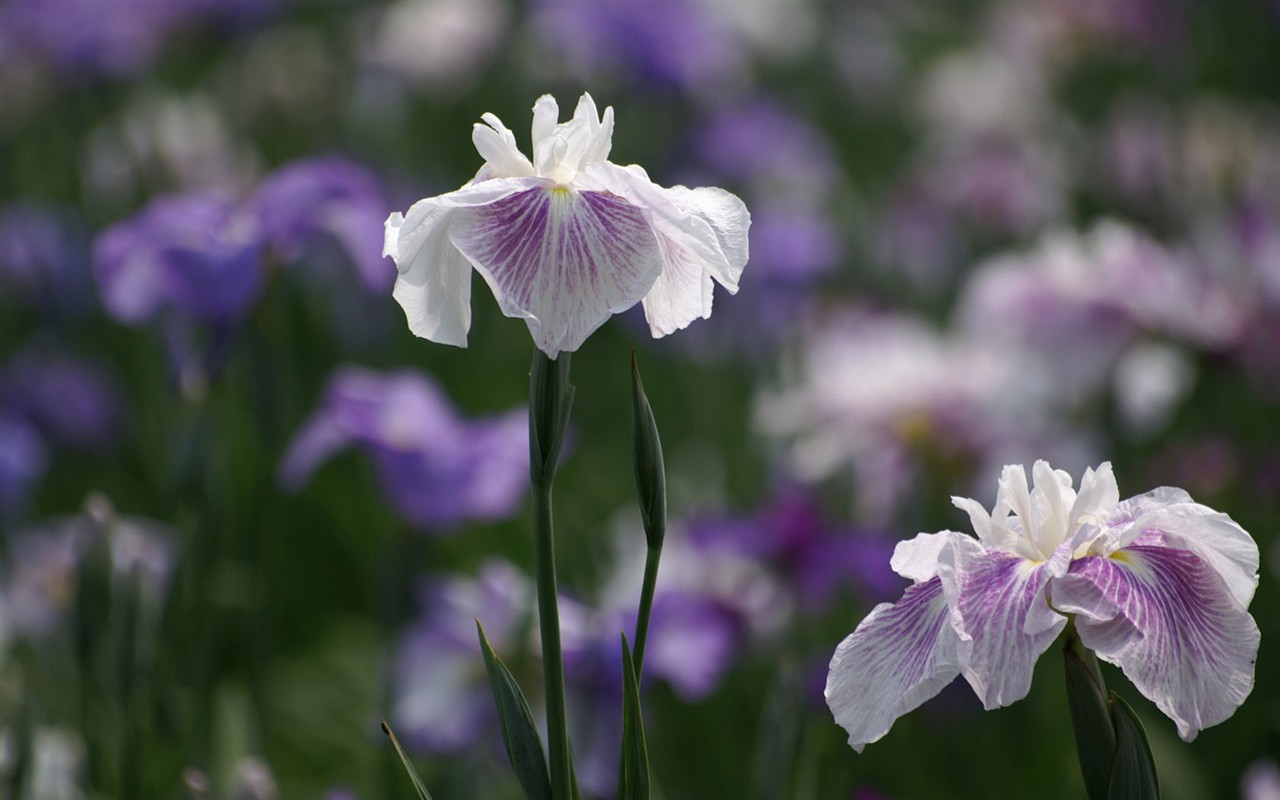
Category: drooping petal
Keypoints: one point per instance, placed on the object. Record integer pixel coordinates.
(560, 259)
(702, 234)
(901, 655)
(998, 605)
(1212, 535)
(434, 284)
(1168, 620)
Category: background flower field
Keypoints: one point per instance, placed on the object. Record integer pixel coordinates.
(245, 514)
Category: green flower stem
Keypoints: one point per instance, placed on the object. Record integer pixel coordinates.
(646, 606)
(550, 398)
(549, 624)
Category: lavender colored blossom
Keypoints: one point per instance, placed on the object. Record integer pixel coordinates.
(1085, 298)
(443, 702)
(70, 401)
(816, 557)
(43, 259)
(669, 44)
(566, 240)
(1158, 585)
(871, 392)
(195, 254)
(202, 256)
(23, 459)
(313, 198)
(112, 37)
(435, 468)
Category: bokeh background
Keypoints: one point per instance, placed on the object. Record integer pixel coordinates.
(246, 514)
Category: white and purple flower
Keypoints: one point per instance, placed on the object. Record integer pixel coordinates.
(1157, 584)
(565, 240)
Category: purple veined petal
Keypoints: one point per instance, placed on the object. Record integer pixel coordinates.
(917, 558)
(710, 223)
(562, 260)
(1212, 535)
(702, 234)
(1168, 620)
(434, 284)
(998, 606)
(901, 655)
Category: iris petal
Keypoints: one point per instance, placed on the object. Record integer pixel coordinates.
(562, 260)
(1166, 617)
(998, 604)
(434, 284)
(901, 655)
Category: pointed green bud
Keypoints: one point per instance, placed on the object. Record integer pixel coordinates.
(551, 396)
(651, 479)
(1134, 775)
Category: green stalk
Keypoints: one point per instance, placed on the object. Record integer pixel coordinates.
(646, 606)
(549, 625)
(550, 398)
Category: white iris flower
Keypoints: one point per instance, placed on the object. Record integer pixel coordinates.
(565, 240)
(1157, 584)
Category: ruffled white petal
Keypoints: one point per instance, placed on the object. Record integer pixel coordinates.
(998, 606)
(690, 226)
(562, 260)
(1168, 620)
(496, 144)
(1214, 536)
(434, 284)
(901, 655)
(917, 558)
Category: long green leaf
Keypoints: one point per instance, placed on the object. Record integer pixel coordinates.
(1134, 774)
(423, 794)
(519, 732)
(634, 779)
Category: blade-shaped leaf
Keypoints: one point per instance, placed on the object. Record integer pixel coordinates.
(1092, 725)
(1134, 774)
(423, 794)
(519, 732)
(634, 779)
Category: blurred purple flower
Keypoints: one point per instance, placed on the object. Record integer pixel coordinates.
(86, 38)
(43, 258)
(202, 254)
(313, 198)
(195, 254)
(443, 703)
(817, 558)
(435, 468)
(70, 401)
(671, 43)
(769, 148)
(23, 459)
(1082, 299)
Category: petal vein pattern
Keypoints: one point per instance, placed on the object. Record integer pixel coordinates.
(563, 260)
(1166, 617)
(900, 656)
(998, 603)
